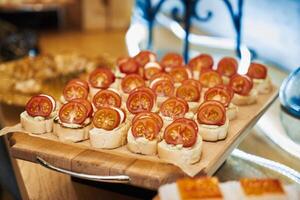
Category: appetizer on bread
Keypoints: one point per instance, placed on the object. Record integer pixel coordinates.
(144, 133)
(144, 57)
(141, 99)
(174, 108)
(107, 97)
(259, 74)
(39, 114)
(244, 93)
(210, 78)
(151, 69)
(190, 91)
(74, 121)
(199, 63)
(163, 86)
(181, 142)
(227, 67)
(223, 94)
(205, 188)
(180, 74)
(101, 78)
(212, 121)
(109, 129)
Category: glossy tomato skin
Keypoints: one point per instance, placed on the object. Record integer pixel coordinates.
(200, 62)
(101, 78)
(178, 133)
(227, 88)
(145, 127)
(257, 71)
(129, 66)
(107, 98)
(152, 115)
(171, 60)
(74, 91)
(143, 57)
(39, 106)
(210, 78)
(211, 113)
(73, 113)
(218, 94)
(147, 90)
(87, 104)
(188, 121)
(193, 82)
(179, 74)
(227, 66)
(174, 107)
(151, 69)
(106, 118)
(139, 101)
(80, 82)
(131, 82)
(189, 93)
(241, 84)
(163, 87)
(162, 75)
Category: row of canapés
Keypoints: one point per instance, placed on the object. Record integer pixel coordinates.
(153, 107)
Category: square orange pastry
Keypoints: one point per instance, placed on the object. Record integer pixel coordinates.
(202, 188)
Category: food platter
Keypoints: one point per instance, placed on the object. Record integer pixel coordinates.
(144, 171)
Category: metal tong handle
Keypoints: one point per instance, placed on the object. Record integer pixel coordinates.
(108, 179)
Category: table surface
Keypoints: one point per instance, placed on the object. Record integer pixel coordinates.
(113, 43)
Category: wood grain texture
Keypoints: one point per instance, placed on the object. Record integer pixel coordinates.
(143, 171)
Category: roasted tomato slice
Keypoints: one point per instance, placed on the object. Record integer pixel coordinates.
(227, 66)
(162, 87)
(152, 115)
(171, 60)
(74, 91)
(227, 88)
(180, 133)
(129, 66)
(218, 94)
(143, 57)
(161, 75)
(241, 84)
(80, 82)
(211, 113)
(145, 127)
(193, 82)
(101, 78)
(179, 74)
(210, 78)
(87, 105)
(147, 90)
(174, 107)
(188, 121)
(106, 118)
(200, 62)
(139, 101)
(151, 69)
(188, 93)
(73, 113)
(107, 98)
(257, 71)
(39, 105)
(132, 81)
(121, 59)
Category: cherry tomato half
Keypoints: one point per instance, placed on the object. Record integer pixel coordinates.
(107, 98)
(129, 66)
(75, 91)
(152, 115)
(145, 127)
(179, 74)
(211, 113)
(179, 133)
(218, 94)
(188, 93)
(171, 60)
(163, 87)
(143, 57)
(174, 107)
(132, 81)
(151, 69)
(200, 62)
(257, 71)
(210, 78)
(73, 113)
(87, 105)
(139, 101)
(241, 84)
(101, 78)
(227, 66)
(106, 118)
(39, 105)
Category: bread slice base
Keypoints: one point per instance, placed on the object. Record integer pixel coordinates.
(141, 145)
(36, 126)
(212, 132)
(241, 100)
(66, 134)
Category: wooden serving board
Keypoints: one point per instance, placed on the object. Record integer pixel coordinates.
(143, 171)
